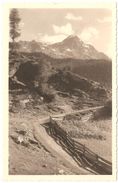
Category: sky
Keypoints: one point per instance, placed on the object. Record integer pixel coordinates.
(93, 26)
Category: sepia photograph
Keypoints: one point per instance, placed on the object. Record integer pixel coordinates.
(60, 91)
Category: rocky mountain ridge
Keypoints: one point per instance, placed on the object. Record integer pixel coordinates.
(71, 47)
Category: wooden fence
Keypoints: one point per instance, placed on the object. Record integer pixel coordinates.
(83, 156)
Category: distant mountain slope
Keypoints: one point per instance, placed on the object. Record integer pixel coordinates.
(28, 74)
(100, 71)
(69, 82)
(96, 70)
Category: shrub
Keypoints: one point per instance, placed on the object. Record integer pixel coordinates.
(103, 113)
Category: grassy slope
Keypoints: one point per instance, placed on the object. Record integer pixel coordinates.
(96, 135)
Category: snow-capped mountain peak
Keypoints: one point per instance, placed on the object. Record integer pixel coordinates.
(70, 47)
(74, 47)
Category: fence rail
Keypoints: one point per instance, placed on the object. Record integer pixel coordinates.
(80, 153)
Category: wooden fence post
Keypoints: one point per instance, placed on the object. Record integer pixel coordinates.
(50, 119)
(84, 149)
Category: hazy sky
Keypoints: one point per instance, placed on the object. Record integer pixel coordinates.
(53, 25)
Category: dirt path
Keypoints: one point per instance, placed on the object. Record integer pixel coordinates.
(49, 143)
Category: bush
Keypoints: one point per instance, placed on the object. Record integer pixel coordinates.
(46, 92)
(103, 113)
(49, 97)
